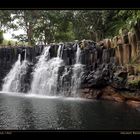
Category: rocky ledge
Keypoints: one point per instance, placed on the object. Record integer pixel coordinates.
(112, 82)
(109, 93)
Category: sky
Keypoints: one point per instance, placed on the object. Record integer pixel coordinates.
(8, 35)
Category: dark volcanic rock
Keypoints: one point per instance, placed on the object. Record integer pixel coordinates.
(120, 80)
(98, 61)
(100, 77)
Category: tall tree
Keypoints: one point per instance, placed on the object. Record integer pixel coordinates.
(5, 22)
(26, 20)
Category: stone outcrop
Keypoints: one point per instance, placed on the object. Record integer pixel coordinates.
(127, 47)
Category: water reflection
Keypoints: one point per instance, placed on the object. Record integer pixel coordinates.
(8, 114)
(68, 115)
(17, 112)
(26, 118)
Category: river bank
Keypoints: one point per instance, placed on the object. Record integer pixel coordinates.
(111, 94)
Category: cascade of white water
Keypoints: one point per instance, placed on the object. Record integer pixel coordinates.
(25, 56)
(59, 51)
(62, 51)
(71, 79)
(12, 81)
(65, 82)
(77, 73)
(78, 52)
(45, 75)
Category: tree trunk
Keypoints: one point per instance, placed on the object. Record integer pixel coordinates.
(30, 34)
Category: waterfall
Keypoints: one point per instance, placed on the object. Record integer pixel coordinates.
(59, 51)
(13, 80)
(65, 83)
(25, 56)
(50, 76)
(45, 76)
(77, 73)
(71, 79)
(78, 52)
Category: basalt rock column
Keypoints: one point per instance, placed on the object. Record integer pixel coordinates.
(133, 43)
(126, 53)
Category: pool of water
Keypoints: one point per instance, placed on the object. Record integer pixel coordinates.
(31, 112)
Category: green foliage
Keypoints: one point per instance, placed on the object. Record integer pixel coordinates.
(85, 21)
(66, 34)
(67, 25)
(130, 18)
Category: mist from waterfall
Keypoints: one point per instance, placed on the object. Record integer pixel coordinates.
(13, 80)
(45, 75)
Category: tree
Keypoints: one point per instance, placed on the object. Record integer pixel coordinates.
(54, 26)
(26, 20)
(5, 23)
(68, 25)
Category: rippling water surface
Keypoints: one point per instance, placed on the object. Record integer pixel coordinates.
(24, 112)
